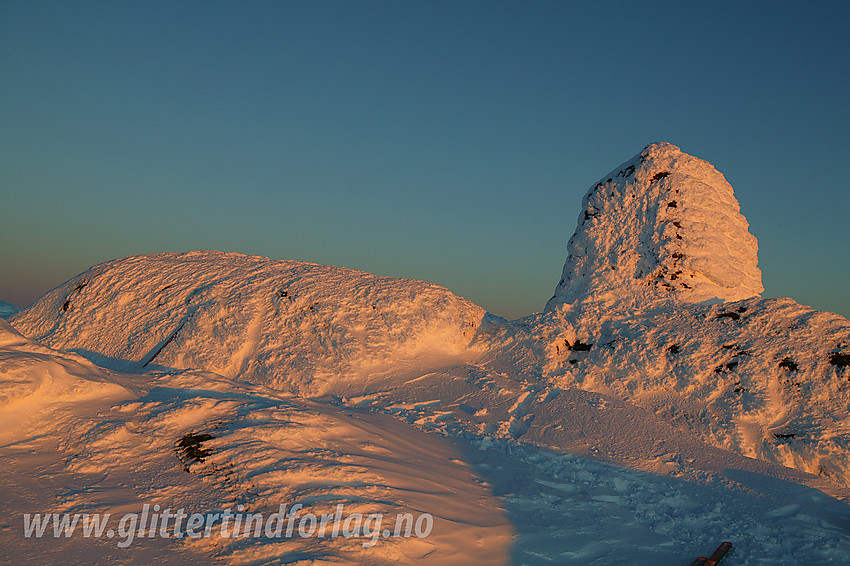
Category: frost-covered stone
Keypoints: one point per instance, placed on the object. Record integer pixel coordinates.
(663, 225)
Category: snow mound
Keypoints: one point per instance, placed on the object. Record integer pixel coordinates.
(663, 225)
(10, 336)
(299, 326)
(765, 378)
(658, 305)
(198, 441)
(34, 379)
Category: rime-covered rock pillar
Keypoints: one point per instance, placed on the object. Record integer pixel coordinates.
(662, 226)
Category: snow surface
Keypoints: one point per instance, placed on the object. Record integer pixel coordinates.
(760, 377)
(635, 421)
(111, 447)
(295, 325)
(84, 441)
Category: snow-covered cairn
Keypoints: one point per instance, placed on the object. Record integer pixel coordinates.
(663, 224)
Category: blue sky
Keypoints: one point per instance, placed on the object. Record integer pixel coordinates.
(445, 141)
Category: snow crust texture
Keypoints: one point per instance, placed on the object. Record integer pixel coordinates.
(81, 439)
(297, 325)
(498, 494)
(766, 378)
(656, 407)
(36, 376)
(663, 225)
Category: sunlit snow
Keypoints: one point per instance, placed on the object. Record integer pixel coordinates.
(655, 408)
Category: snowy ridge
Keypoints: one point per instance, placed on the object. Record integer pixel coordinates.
(663, 225)
(297, 325)
(766, 378)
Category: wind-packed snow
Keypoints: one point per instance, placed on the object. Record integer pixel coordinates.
(102, 442)
(495, 500)
(637, 420)
(35, 377)
(766, 378)
(298, 326)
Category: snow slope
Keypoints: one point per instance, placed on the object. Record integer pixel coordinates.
(657, 405)
(36, 379)
(81, 439)
(766, 378)
(494, 500)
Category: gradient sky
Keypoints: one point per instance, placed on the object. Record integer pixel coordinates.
(445, 141)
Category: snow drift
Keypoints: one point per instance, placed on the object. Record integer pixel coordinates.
(35, 378)
(297, 325)
(493, 500)
(76, 438)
